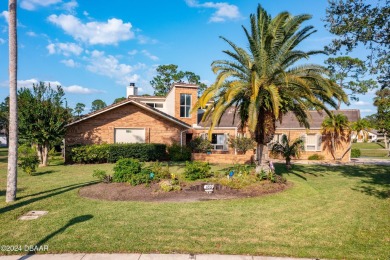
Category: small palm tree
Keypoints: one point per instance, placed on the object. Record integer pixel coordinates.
(361, 126)
(336, 130)
(288, 149)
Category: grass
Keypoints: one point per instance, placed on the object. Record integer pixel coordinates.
(371, 150)
(330, 212)
(368, 146)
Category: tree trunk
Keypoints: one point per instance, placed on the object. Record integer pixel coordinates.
(332, 149)
(45, 154)
(288, 163)
(262, 158)
(13, 106)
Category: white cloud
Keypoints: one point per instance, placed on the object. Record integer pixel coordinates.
(109, 66)
(76, 89)
(2, 41)
(32, 34)
(111, 32)
(65, 49)
(224, 11)
(132, 53)
(70, 63)
(149, 55)
(85, 13)
(366, 110)
(361, 103)
(5, 15)
(70, 6)
(34, 4)
(142, 39)
(28, 83)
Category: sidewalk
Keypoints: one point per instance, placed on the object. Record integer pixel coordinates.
(144, 257)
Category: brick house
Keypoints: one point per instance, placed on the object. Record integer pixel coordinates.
(168, 120)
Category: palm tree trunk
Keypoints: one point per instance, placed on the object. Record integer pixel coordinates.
(262, 158)
(288, 163)
(13, 106)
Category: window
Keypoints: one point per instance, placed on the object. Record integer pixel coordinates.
(312, 142)
(218, 141)
(277, 139)
(185, 105)
(155, 105)
(129, 135)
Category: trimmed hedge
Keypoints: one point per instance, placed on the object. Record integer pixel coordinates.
(142, 152)
(102, 153)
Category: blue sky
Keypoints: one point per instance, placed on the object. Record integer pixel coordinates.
(94, 49)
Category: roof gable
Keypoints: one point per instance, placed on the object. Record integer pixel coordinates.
(130, 101)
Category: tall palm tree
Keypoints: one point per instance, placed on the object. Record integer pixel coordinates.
(266, 82)
(13, 107)
(288, 149)
(336, 130)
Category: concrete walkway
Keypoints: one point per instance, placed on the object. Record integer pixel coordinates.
(143, 257)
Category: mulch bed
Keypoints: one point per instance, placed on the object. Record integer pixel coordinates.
(189, 193)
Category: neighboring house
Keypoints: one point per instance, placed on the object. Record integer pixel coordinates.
(368, 136)
(3, 138)
(155, 119)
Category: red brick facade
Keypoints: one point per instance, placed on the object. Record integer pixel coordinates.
(100, 128)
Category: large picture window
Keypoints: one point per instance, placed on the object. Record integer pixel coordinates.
(185, 105)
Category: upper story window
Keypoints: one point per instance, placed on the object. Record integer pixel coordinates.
(185, 105)
(156, 105)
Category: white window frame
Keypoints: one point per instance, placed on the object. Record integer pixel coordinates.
(185, 106)
(316, 146)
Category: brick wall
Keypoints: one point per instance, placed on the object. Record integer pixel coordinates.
(193, 91)
(100, 128)
(224, 158)
(324, 150)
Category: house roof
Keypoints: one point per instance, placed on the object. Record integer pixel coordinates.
(130, 101)
(289, 121)
(227, 120)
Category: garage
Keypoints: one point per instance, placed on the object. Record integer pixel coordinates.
(129, 135)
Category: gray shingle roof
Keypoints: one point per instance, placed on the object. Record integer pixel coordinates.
(289, 120)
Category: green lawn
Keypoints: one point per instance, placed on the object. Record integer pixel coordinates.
(371, 150)
(330, 212)
(368, 145)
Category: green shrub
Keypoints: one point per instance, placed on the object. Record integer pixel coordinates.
(125, 169)
(102, 176)
(238, 181)
(28, 159)
(160, 172)
(178, 153)
(242, 144)
(197, 170)
(271, 176)
(143, 152)
(200, 145)
(355, 153)
(316, 157)
(102, 153)
(96, 153)
(140, 178)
